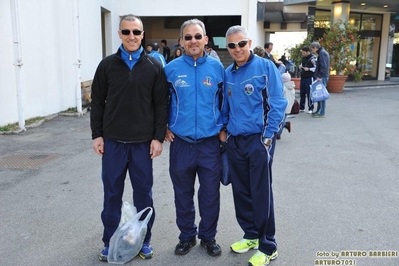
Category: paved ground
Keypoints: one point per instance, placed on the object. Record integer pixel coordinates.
(335, 186)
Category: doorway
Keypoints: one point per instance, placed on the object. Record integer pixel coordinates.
(106, 32)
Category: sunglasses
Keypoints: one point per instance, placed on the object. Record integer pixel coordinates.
(241, 44)
(189, 37)
(135, 32)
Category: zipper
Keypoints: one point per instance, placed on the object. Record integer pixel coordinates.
(196, 101)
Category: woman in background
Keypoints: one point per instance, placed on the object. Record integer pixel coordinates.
(177, 52)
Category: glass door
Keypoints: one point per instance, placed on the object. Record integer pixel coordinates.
(368, 52)
(369, 46)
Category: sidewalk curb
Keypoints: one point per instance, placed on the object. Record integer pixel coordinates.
(40, 122)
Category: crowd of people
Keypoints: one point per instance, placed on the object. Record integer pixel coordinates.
(314, 67)
(186, 97)
(153, 49)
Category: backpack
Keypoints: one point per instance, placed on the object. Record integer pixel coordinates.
(295, 107)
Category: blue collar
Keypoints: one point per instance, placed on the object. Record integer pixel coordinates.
(130, 58)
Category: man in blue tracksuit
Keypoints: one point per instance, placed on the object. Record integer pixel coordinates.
(196, 85)
(256, 106)
(157, 55)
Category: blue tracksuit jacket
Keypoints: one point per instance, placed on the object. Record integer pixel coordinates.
(254, 93)
(196, 93)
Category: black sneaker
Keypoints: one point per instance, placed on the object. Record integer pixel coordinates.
(184, 246)
(212, 248)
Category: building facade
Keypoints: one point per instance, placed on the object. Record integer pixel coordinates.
(50, 47)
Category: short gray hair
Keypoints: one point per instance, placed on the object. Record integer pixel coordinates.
(315, 45)
(131, 17)
(259, 50)
(193, 21)
(237, 29)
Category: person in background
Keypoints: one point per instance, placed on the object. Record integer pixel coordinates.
(283, 59)
(155, 53)
(289, 94)
(259, 51)
(322, 73)
(178, 44)
(268, 55)
(255, 109)
(128, 122)
(176, 53)
(165, 50)
(209, 51)
(148, 48)
(307, 68)
(287, 63)
(195, 122)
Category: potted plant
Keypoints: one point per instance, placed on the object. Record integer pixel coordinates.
(339, 41)
(295, 55)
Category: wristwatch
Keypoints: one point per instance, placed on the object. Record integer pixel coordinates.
(267, 141)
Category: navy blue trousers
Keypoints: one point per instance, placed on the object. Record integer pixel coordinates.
(186, 161)
(251, 178)
(304, 92)
(117, 159)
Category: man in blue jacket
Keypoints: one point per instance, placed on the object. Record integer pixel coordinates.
(156, 54)
(196, 90)
(322, 73)
(256, 106)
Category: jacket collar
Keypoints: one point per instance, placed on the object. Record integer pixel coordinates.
(235, 66)
(190, 60)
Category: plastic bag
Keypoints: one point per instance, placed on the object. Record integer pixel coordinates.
(128, 211)
(128, 239)
(318, 92)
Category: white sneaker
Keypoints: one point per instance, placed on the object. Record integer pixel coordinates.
(310, 112)
(301, 110)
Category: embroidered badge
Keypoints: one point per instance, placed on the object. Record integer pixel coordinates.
(229, 91)
(249, 89)
(207, 81)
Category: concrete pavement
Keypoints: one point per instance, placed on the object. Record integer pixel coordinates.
(335, 188)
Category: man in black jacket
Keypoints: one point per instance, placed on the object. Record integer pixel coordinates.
(307, 68)
(128, 118)
(165, 50)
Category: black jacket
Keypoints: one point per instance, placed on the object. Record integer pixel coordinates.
(271, 58)
(129, 105)
(309, 62)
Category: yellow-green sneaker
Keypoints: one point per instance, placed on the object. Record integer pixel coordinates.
(261, 259)
(244, 245)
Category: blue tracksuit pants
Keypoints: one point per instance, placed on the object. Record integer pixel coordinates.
(117, 159)
(186, 161)
(251, 179)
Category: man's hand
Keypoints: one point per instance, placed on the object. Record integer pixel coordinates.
(223, 136)
(155, 148)
(169, 135)
(98, 145)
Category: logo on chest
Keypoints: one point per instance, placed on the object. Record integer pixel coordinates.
(248, 89)
(181, 83)
(207, 81)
